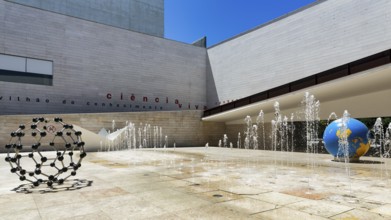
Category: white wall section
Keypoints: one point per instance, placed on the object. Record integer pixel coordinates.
(323, 36)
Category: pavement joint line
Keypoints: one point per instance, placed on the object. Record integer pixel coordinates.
(342, 212)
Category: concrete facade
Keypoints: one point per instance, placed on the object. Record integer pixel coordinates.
(137, 72)
(98, 68)
(145, 16)
(325, 35)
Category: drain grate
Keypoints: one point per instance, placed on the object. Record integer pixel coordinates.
(217, 195)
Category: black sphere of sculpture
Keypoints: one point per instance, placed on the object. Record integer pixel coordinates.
(55, 156)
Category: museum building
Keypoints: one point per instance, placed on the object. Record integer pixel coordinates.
(111, 56)
(89, 56)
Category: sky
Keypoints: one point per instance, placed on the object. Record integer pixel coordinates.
(218, 20)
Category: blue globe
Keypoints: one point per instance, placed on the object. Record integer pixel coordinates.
(357, 138)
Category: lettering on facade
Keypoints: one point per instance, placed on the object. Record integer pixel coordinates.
(114, 102)
(133, 98)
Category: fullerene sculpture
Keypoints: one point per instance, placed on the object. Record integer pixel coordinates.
(52, 151)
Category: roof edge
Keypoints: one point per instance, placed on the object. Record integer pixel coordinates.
(270, 22)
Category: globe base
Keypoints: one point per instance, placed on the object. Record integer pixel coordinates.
(349, 160)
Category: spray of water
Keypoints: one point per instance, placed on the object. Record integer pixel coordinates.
(276, 128)
(343, 143)
(248, 132)
(254, 135)
(261, 125)
(113, 125)
(130, 137)
(165, 141)
(312, 120)
(381, 141)
(239, 144)
(225, 140)
(312, 107)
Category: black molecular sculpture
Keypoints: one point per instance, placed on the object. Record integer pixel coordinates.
(64, 146)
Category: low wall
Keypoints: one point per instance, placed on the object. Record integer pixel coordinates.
(183, 127)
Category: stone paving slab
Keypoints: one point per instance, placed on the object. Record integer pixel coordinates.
(287, 213)
(319, 207)
(247, 205)
(66, 211)
(384, 210)
(358, 214)
(29, 214)
(215, 212)
(380, 198)
(277, 198)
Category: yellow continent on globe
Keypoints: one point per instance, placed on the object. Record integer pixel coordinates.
(347, 133)
(364, 147)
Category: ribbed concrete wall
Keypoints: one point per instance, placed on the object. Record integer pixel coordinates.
(145, 16)
(183, 127)
(98, 68)
(326, 35)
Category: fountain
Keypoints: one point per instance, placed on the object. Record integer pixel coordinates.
(283, 132)
(239, 144)
(140, 138)
(292, 129)
(248, 132)
(276, 127)
(130, 137)
(378, 137)
(343, 142)
(160, 137)
(113, 125)
(246, 142)
(261, 120)
(165, 141)
(387, 142)
(225, 140)
(312, 122)
(254, 135)
(259, 174)
(381, 144)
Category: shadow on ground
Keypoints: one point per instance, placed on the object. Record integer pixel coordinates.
(68, 185)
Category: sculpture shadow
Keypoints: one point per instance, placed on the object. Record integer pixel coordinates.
(370, 162)
(360, 161)
(68, 185)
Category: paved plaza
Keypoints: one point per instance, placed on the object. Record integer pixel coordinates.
(200, 183)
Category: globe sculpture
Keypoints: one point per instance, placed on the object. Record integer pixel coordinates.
(45, 151)
(356, 135)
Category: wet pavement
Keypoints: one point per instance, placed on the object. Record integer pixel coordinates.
(200, 183)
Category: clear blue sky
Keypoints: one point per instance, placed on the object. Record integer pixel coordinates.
(189, 20)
